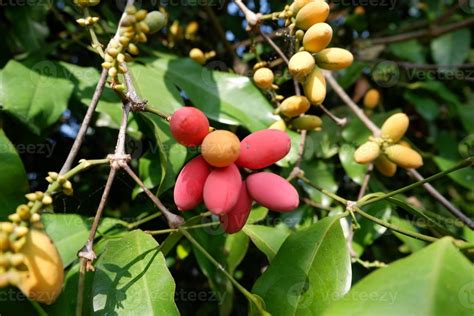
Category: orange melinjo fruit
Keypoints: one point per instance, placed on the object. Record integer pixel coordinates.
(220, 148)
(371, 99)
(45, 275)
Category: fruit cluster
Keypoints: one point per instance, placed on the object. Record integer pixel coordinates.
(133, 29)
(388, 151)
(214, 176)
(306, 19)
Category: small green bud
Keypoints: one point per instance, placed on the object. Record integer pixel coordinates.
(155, 21)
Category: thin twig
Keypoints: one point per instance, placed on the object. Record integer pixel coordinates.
(339, 121)
(274, 46)
(365, 182)
(174, 220)
(85, 123)
(433, 31)
(356, 109)
(251, 17)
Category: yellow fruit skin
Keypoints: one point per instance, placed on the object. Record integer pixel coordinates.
(404, 157)
(404, 143)
(220, 148)
(395, 127)
(315, 87)
(385, 166)
(367, 152)
(263, 78)
(317, 37)
(371, 99)
(312, 13)
(198, 56)
(279, 125)
(307, 122)
(334, 58)
(297, 5)
(294, 106)
(45, 276)
(300, 65)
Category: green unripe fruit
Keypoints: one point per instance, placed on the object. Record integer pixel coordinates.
(395, 127)
(367, 152)
(334, 58)
(86, 3)
(306, 122)
(294, 106)
(155, 21)
(404, 157)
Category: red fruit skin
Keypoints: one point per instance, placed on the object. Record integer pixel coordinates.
(272, 192)
(189, 126)
(190, 184)
(233, 221)
(263, 148)
(222, 189)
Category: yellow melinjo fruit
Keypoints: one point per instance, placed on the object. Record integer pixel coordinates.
(367, 152)
(306, 122)
(297, 5)
(334, 58)
(317, 37)
(395, 127)
(359, 10)
(263, 78)
(312, 13)
(404, 143)
(86, 3)
(385, 166)
(220, 148)
(294, 106)
(198, 56)
(371, 99)
(44, 279)
(404, 157)
(279, 125)
(315, 87)
(300, 65)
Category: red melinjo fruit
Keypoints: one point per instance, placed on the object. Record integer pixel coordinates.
(263, 148)
(189, 126)
(222, 189)
(272, 192)
(190, 184)
(235, 219)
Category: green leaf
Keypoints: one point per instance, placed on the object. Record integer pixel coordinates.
(426, 106)
(451, 48)
(26, 94)
(312, 269)
(292, 156)
(354, 170)
(437, 280)
(410, 243)
(369, 231)
(166, 156)
(132, 278)
(13, 181)
(257, 214)
(224, 97)
(323, 143)
(69, 233)
(267, 239)
(409, 50)
(236, 246)
(350, 75)
(321, 174)
(464, 177)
